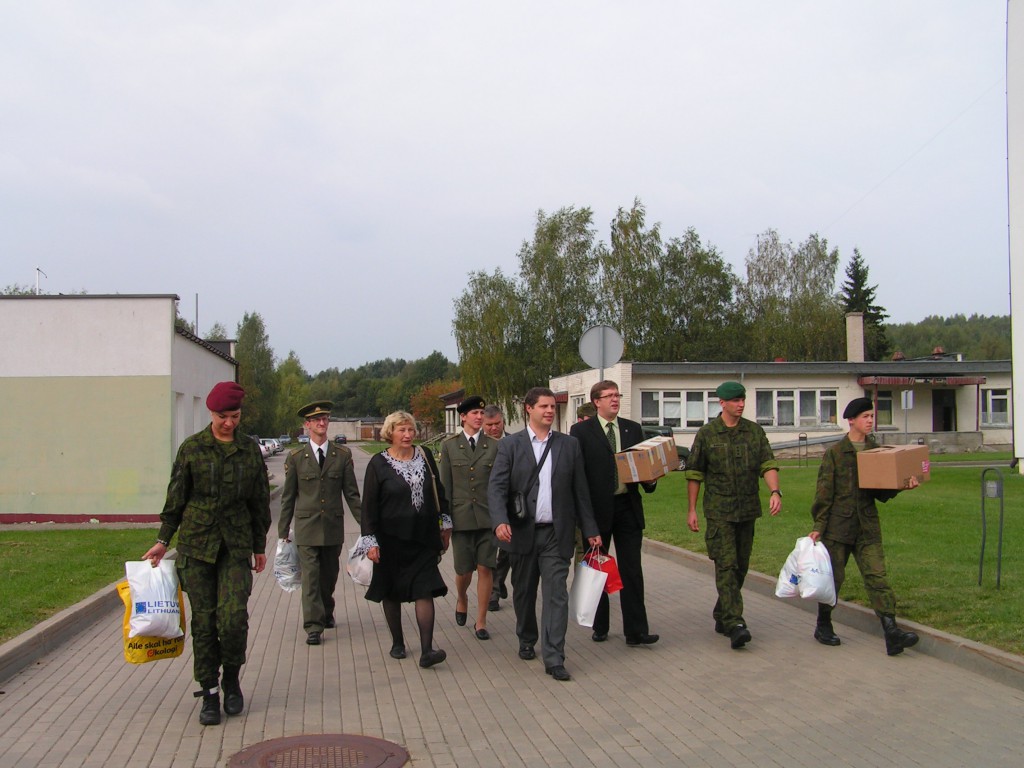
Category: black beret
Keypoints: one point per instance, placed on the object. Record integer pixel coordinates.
(857, 406)
(471, 404)
(314, 409)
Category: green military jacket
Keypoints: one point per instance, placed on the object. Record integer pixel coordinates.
(219, 494)
(465, 474)
(730, 462)
(842, 510)
(312, 496)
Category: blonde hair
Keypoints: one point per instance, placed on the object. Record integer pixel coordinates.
(392, 421)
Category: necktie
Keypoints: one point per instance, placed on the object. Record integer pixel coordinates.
(472, 443)
(611, 436)
(320, 457)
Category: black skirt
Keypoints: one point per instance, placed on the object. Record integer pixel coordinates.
(407, 571)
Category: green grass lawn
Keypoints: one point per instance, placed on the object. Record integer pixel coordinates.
(932, 538)
(45, 571)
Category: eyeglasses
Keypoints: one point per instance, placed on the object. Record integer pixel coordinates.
(613, 396)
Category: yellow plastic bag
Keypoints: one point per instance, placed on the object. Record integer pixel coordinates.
(139, 649)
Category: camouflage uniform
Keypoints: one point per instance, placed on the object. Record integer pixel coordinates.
(730, 462)
(847, 519)
(218, 502)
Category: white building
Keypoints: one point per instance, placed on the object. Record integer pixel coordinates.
(98, 392)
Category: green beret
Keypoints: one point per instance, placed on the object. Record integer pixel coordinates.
(730, 390)
(314, 409)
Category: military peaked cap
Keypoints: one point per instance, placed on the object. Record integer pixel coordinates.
(317, 408)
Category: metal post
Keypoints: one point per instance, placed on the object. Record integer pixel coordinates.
(991, 489)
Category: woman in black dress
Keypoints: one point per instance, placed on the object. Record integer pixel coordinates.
(405, 527)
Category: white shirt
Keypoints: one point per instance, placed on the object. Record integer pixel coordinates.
(544, 508)
(321, 447)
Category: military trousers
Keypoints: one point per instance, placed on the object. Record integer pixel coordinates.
(870, 560)
(320, 568)
(729, 545)
(218, 595)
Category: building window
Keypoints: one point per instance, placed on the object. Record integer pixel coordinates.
(883, 412)
(671, 407)
(995, 406)
(790, 407)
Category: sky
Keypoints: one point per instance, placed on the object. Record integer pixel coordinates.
(340, 168)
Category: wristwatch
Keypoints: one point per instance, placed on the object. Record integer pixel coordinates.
(777, 491)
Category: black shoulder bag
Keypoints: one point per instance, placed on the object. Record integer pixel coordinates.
(516, 508)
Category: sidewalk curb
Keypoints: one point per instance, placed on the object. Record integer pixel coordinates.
(32, 644)
(989, 662)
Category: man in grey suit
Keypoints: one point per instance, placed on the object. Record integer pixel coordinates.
(541, 546)
(316, 477)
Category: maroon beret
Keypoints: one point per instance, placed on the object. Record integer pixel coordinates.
(225, 396)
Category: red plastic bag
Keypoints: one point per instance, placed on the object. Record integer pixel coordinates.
(607, 564)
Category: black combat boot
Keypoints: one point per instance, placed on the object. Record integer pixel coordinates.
(823, 632)
(233, 701)
(895, 638)
(210, 712)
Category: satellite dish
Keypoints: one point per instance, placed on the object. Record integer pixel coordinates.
(601, 347)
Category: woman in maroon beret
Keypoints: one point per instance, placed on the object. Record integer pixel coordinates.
(218, 502)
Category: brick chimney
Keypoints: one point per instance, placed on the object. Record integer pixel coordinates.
(855, 337)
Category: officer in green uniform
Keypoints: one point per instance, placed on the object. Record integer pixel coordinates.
(465, 468)
(316, 477)
(728, 456)
(218, 502)
(846, 522)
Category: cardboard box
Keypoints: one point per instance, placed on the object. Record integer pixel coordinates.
(647, 461)
(891, 466)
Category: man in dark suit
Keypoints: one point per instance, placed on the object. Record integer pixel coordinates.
(541, 545)
(618, 508)
(316, 477)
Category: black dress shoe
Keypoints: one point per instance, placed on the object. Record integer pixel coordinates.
(431, 658)
(642, 639)
(329, 624)
(526, 653)
(397, 652)
(460, 618)
(826, 636)
(313, 638)
(599, 637)
(560, 673)
(502, 592)
(481, 634)
(494, 605)
(739, 636)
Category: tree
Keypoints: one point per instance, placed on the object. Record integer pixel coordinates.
(257, 376)
(787, 307)
(217, 332)
(492, 339)
(696, 299)
(16, 289)
(426, 404)
(292, 392)
(858, 296)
(557, 270)
(630, 278)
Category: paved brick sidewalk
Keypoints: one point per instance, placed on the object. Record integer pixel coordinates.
(690, 700)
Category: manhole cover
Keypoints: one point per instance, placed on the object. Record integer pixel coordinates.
(321, 751)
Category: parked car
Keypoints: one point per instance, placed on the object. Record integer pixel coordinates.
(271, 443)
(340, 439)
(284, 439)
(660, 430)
(265, 450)
(303, 439)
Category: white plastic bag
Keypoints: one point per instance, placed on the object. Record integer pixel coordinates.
(286, 566)
(359, 566)
(156, 611)
(587, 588)
(816, 582)
(789, 576)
